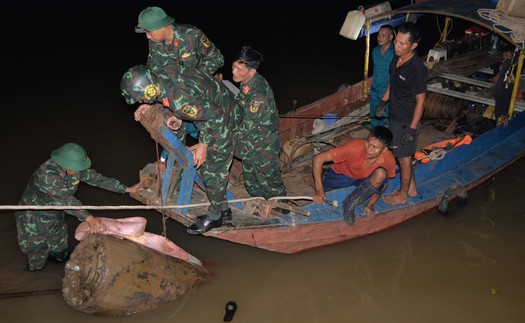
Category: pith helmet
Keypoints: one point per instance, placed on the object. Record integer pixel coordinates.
(139, 84)
(71, 156)
(152, 18)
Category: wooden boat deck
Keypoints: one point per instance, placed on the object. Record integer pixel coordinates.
(460, 69)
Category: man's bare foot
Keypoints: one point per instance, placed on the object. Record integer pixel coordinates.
(395, 199)
(397, 191)
(368, 211)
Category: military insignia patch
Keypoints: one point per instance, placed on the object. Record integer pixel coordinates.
(205, 41)
(254, 106)
(185, 55)
(76, 182)
(190, 110)
(246, 89)
(151, 91)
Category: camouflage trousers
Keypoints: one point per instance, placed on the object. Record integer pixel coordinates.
(261, 169)
(215, 175)
(39, 234)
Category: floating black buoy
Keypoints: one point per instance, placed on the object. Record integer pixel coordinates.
(231, 307)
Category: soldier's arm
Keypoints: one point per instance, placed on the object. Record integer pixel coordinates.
(61, 197)
(93, 178)
(52, 183)
(211, 57)
(154, 59)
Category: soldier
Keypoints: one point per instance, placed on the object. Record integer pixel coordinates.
(258, 134)
(195, 96)
(43, 234)
(171, 43)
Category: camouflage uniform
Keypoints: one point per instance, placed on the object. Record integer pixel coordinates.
(199, 97)
(190, 48)
(43, 232)
(258, 139)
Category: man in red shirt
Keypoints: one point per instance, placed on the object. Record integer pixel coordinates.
(364, 163)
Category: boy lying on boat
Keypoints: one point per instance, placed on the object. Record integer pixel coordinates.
(366, 164)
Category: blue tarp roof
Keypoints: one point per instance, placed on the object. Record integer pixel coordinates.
(464, 9)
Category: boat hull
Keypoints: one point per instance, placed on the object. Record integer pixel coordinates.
(461, 170)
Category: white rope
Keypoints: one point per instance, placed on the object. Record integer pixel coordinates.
(500, 18)
(436, 154)
(137, 207)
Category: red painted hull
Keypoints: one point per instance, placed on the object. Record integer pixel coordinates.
(296, 239)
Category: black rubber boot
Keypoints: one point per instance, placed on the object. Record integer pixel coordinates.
(361, 193)
(226, 216)
(204, 224)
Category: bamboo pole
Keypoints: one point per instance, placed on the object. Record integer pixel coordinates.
(366, 90)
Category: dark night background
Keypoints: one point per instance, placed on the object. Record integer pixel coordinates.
(61, 69)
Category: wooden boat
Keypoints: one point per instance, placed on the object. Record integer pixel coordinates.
(179, 195)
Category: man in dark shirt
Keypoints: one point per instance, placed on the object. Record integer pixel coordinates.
(406, 94)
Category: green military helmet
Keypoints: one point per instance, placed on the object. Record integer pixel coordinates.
(71, 156)
(139, 84)
(152, 18)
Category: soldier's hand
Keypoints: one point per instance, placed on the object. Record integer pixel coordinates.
(160, 166)
(95, 225)
(380, 109)
(173, 123)
(134, 188)
(199, 152)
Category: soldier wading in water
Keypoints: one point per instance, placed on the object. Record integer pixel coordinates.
(43, 234)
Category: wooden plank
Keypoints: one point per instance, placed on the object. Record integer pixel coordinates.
(466, 80)
(518, 106)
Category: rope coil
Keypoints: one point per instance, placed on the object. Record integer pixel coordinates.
(500, 18)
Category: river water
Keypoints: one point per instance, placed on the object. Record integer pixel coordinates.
(61, 85)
